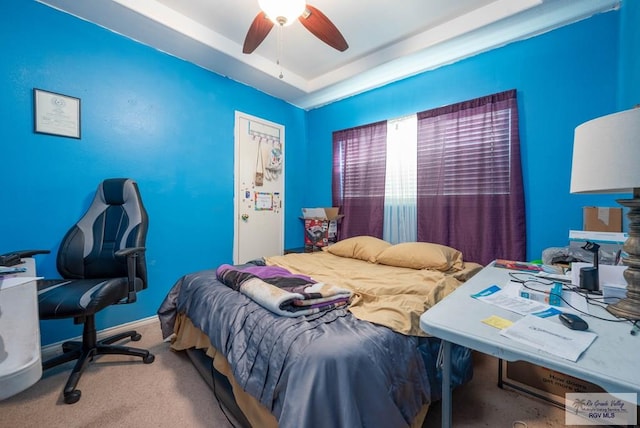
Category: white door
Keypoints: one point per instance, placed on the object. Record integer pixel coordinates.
(259, 188)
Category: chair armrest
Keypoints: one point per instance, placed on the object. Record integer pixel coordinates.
(14, 257)
(131, 253)
(128, 251)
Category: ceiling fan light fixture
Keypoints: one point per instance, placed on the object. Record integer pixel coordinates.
(282, 12)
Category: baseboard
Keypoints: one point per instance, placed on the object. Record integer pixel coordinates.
(54, 349)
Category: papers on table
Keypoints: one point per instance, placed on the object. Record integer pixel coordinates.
(533, 330)
(507, 300)
(550, 337)
(607, 274)
(559, 277)
(497, 322)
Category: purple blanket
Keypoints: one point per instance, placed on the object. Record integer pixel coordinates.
(281, 291)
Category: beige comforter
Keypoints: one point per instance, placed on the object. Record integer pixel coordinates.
(394, 297)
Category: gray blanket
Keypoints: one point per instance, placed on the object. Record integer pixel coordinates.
(322, 370)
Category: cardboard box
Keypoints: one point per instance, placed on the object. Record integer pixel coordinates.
(320, 226)
(602, 219)
(541, 382)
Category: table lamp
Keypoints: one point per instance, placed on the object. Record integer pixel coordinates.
(606, 159)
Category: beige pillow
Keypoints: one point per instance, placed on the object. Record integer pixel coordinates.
(422, 255)
(359, 247)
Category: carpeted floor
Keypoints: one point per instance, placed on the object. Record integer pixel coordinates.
(480, 403)
(121, 391)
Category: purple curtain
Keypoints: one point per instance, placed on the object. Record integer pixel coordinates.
(470, 193)
(359, 164)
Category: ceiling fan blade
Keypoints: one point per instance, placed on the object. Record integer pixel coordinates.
(321, 27)
(259, 29)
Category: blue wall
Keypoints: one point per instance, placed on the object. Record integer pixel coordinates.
(629, 66)
(145, 115)
(563, 78)
(169, 125)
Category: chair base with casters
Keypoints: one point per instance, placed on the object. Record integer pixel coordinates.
(84, 351)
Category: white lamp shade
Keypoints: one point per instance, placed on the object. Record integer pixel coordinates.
(606, 154)
(282, 12)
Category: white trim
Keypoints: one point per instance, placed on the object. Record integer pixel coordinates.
(53, 349)
(153, 23)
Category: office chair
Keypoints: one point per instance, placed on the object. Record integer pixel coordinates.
(102, 261)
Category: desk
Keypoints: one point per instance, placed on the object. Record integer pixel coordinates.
(20, 365)
(610, 362)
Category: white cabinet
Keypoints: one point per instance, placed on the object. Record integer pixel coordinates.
(20, 365)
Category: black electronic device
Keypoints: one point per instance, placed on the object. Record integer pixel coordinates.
(574, 322)
(589, 276)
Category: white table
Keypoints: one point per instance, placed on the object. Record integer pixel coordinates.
(610, 362)
(20, 364)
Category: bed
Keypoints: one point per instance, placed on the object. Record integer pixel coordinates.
(359, 362)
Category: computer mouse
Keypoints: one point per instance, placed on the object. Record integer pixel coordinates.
(574, 322)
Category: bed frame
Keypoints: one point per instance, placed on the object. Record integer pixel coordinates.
(218, 383)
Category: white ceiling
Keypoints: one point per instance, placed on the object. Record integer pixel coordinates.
(388, 40)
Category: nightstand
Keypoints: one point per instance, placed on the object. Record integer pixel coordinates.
(305, 249)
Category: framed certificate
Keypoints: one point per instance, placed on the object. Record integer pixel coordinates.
(56, 114)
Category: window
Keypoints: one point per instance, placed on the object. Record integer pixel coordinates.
(470, 193)
(450, 175)
(400, 208)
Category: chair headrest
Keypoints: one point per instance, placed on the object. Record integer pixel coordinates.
(115, 191)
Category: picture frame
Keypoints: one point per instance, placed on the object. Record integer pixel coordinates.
(56, 114)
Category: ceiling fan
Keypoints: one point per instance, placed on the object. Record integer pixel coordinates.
(283, 13)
